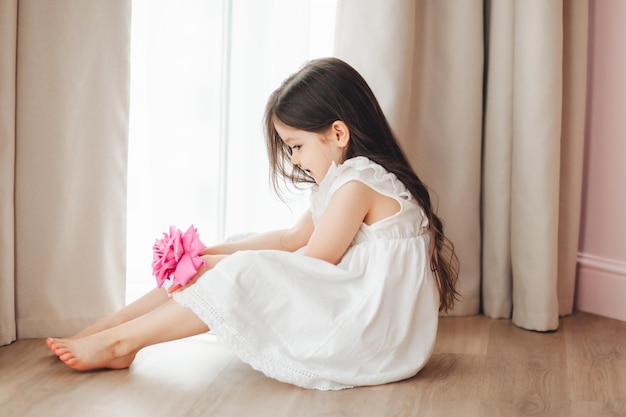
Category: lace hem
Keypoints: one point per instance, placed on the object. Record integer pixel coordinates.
(269, 363)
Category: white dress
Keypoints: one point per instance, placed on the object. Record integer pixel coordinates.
(371, 319)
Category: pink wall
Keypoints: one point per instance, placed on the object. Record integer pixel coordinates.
(601, 280)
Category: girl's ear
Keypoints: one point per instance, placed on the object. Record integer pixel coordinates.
(340, 133)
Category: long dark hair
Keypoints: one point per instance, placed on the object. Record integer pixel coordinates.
(327, 90)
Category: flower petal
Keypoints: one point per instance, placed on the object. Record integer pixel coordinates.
(176, 256)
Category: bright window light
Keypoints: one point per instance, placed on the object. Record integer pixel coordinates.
(196, 146)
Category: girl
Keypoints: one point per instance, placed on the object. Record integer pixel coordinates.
(348, 296)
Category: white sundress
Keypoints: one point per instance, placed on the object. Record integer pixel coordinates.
(371, 319)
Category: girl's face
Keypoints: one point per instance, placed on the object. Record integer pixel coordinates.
(315, 152)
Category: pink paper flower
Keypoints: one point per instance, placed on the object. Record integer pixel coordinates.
(177, 256)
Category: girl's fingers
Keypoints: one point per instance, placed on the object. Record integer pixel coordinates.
(211, 261)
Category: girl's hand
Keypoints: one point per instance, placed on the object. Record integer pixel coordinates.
(210, 262)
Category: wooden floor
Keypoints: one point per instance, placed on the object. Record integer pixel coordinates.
(481, 367)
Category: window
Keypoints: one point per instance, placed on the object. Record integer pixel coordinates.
(201, 71)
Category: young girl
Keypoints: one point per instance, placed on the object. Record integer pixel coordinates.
(348, 296)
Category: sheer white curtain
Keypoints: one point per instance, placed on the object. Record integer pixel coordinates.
(201, 72)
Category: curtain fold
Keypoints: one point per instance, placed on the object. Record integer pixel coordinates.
(492, 117)
(535, 158)
(69, 186)
(8, 51)
(575, 41)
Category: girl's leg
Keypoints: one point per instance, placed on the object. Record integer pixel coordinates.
(116, 347)
(141, 306)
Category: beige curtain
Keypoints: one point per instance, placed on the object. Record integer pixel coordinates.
(64, 71)
(488, 99)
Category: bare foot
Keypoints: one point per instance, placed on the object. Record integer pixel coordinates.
(92, 352)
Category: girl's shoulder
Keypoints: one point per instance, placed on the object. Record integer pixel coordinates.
(363, 169)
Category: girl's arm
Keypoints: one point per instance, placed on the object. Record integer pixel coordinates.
(288, 239)
(346, 211)
(348, 208)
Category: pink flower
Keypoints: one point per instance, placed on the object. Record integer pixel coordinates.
(177, 256)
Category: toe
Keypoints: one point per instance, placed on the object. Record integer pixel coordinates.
(60, 350)
(65, 356)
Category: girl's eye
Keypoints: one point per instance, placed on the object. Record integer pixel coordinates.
(290, 149)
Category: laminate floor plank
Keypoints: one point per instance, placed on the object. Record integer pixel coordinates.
(596, 358)
(480, 368)
(526, 373)
(598, 409)
(465, 335)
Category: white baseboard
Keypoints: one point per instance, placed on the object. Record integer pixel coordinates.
(601, 286)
